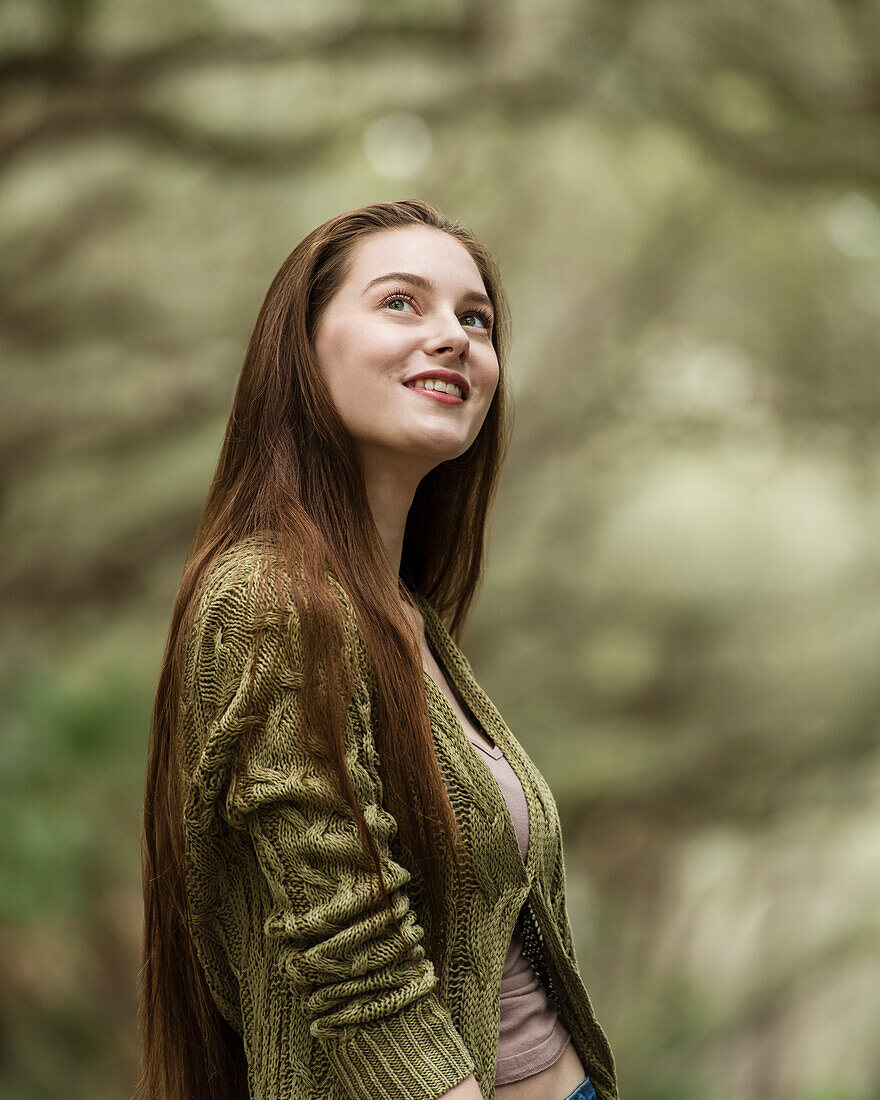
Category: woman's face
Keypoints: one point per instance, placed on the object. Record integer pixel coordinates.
(371, 341)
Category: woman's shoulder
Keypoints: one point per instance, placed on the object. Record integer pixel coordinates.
(258, 567)
(254, 581)
(236, 580)
(245, 559)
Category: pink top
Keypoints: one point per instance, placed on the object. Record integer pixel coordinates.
(530, 1034)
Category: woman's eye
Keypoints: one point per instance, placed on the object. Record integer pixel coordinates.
(405, 298)
(396, 298)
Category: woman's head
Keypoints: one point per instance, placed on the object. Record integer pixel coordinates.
(412, 303)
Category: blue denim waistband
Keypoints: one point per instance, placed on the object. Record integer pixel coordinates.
(584, 1091)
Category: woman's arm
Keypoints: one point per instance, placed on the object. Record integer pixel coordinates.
(334, 951)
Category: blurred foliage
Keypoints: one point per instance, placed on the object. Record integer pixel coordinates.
(681, 615)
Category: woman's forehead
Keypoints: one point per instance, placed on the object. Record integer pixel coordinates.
(428, 254)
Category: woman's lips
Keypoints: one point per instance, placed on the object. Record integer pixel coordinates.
(438, 395)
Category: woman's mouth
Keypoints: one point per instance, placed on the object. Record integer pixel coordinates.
(435, 395)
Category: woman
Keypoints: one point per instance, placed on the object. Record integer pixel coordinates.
(354, 882)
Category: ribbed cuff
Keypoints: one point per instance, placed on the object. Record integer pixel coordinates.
(416, 1053)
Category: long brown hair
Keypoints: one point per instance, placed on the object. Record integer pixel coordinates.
(288, 467)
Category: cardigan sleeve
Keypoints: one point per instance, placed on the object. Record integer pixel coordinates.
(383, 1030)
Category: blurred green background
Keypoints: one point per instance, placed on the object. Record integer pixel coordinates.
(681, 616)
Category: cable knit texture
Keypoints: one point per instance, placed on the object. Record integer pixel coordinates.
(298, 958)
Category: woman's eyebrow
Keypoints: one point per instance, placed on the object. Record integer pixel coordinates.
(424, 284)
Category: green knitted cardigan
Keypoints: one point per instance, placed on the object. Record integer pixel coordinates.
(297, 960)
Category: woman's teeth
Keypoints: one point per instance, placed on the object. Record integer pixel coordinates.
(431, 384)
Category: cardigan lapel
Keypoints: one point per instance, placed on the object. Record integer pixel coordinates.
(457, 669)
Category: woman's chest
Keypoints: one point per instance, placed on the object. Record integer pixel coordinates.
(504, 796)
(564, 1075)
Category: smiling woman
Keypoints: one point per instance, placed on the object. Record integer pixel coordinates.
(354, 883)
